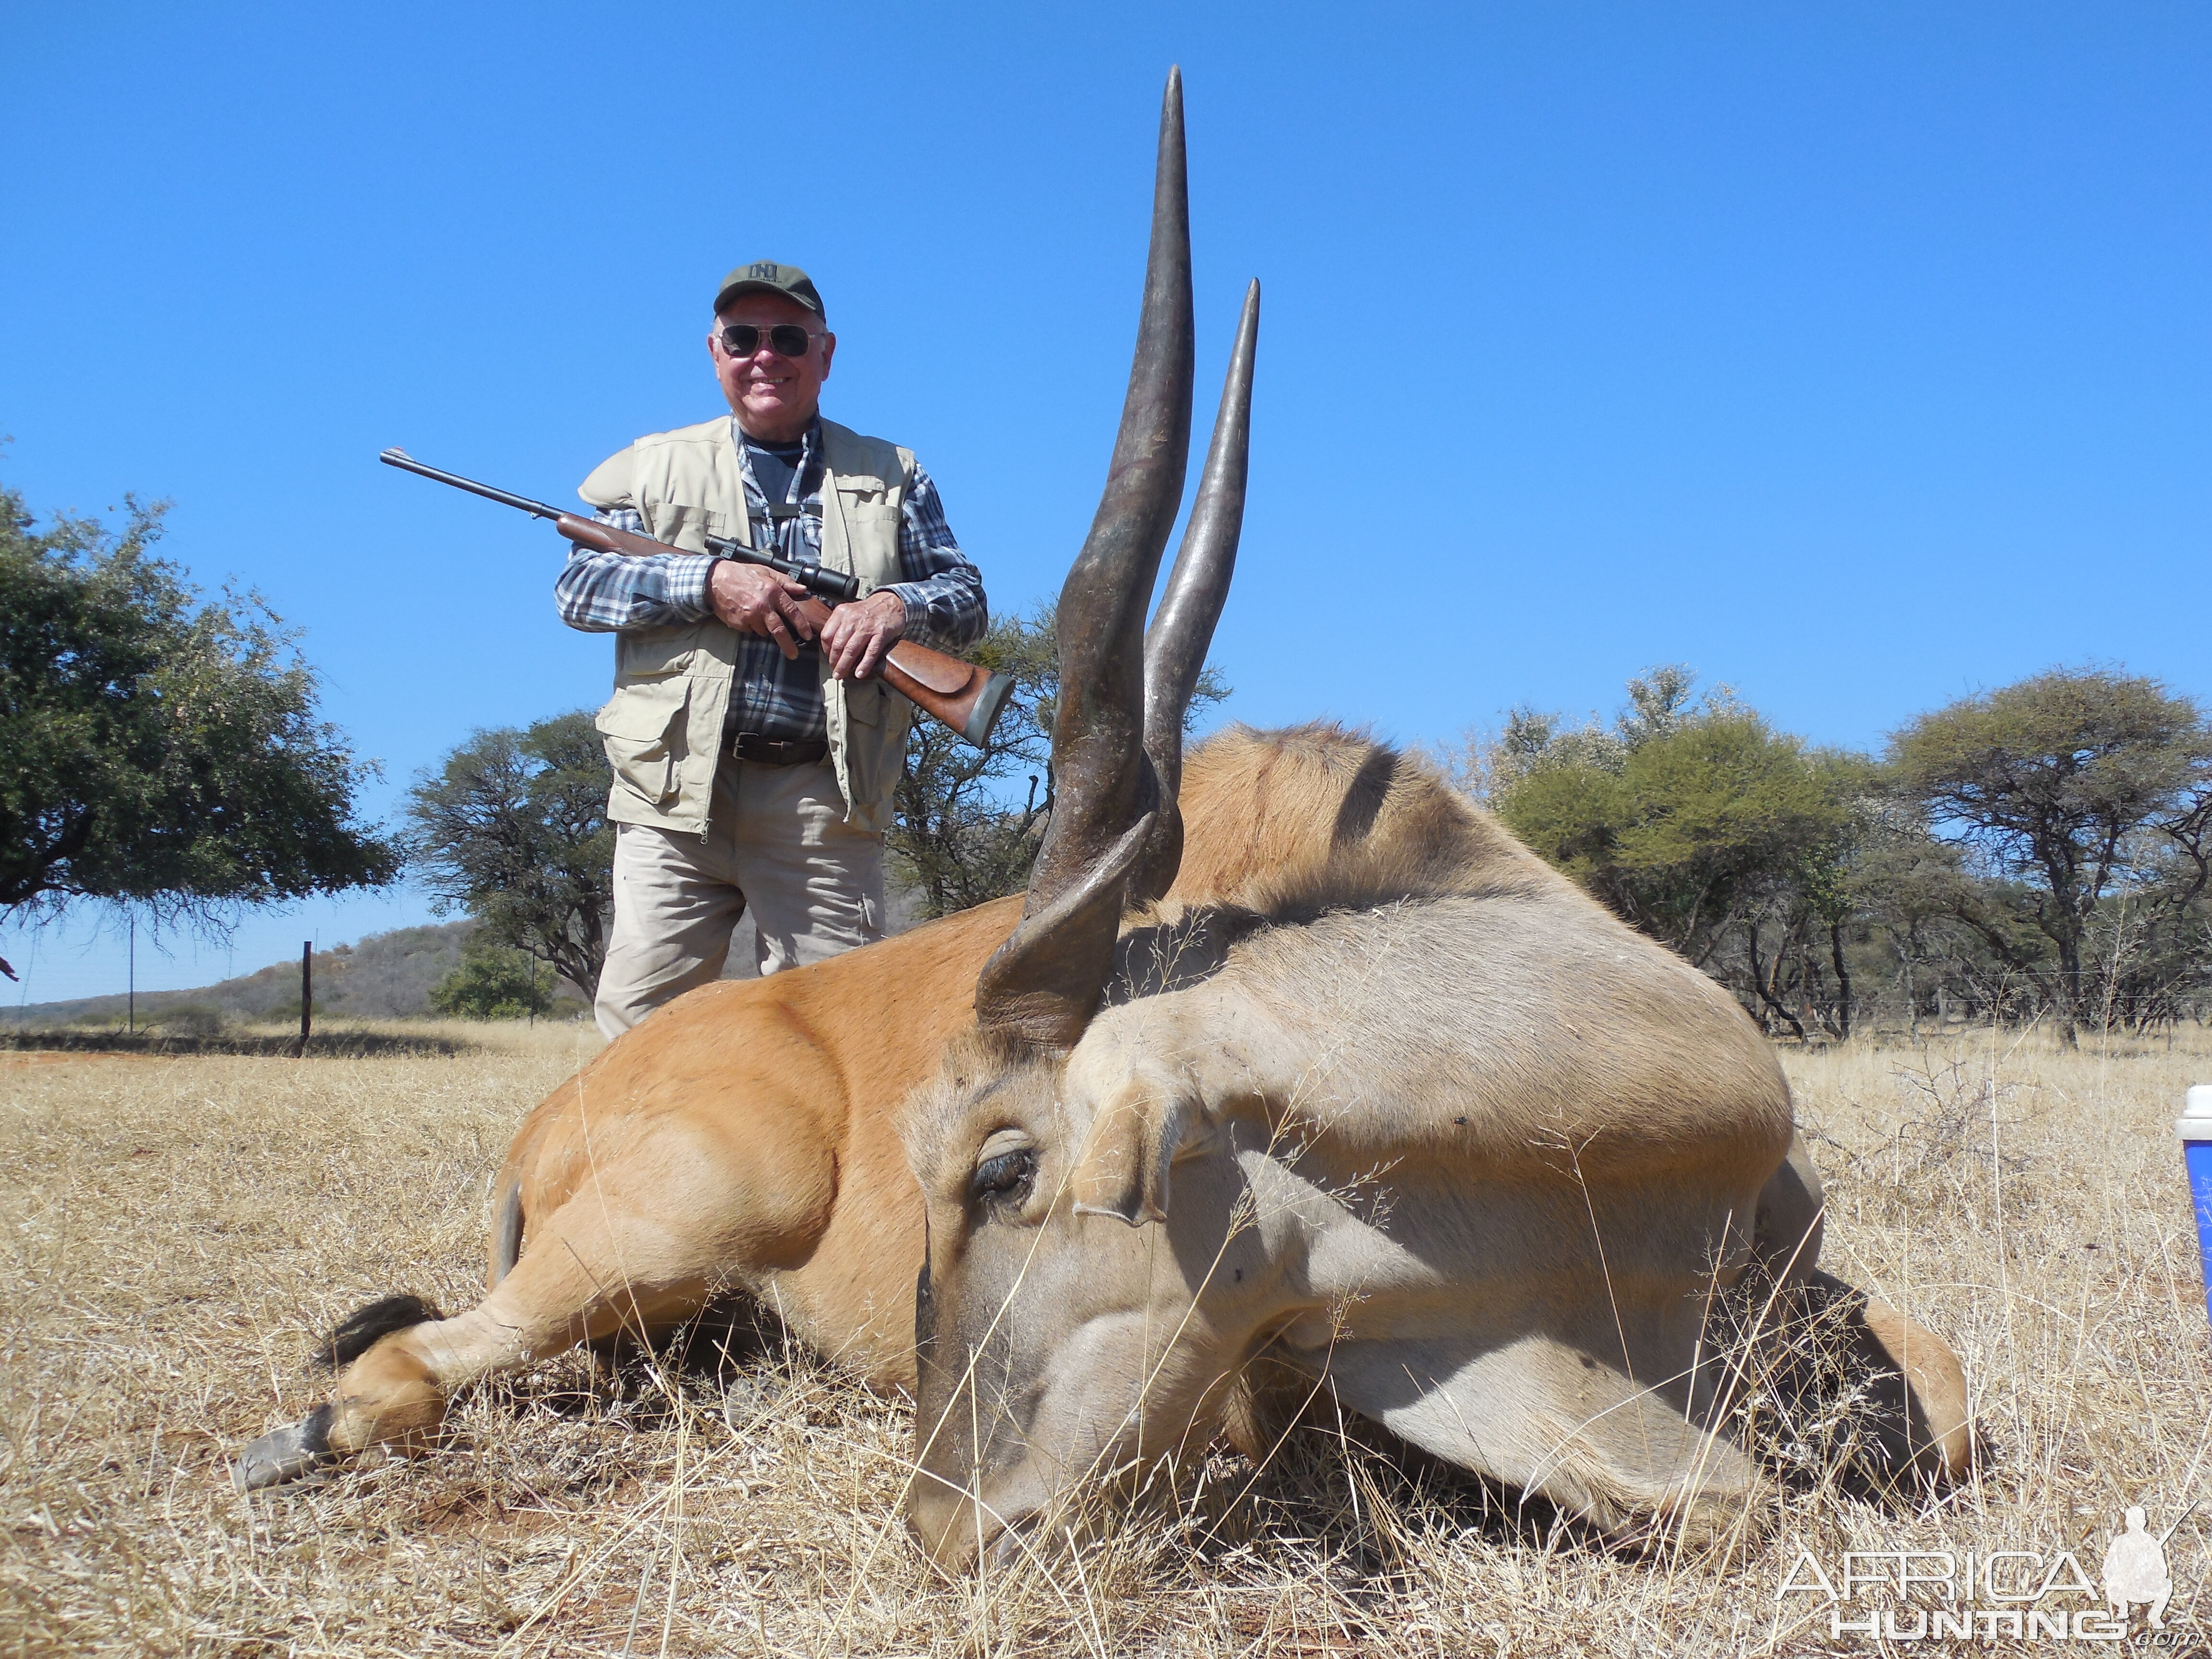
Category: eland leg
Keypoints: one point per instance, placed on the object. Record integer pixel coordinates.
(592, 1275)
(1924, 1427)
(644, 1242)
(1918, 1423)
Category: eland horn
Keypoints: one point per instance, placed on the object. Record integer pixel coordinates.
(1045, 982)
(1182, 627)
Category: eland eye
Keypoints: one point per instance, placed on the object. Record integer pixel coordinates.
(1006, 1176)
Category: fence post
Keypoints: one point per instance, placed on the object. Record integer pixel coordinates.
(306, 991)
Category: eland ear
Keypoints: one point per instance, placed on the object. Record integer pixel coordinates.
(1123, 1170)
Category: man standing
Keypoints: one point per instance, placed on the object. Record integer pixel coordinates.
(754, 763)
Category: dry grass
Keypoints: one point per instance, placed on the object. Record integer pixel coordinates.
(177, 1228)
(343, 1038)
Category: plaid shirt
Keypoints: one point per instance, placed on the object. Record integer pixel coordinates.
(943, 591)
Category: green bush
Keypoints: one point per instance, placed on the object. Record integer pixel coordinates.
(495, 981)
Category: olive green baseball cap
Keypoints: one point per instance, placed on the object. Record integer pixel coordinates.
(765, 275)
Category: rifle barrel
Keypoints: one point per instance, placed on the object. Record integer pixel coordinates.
(402, 459)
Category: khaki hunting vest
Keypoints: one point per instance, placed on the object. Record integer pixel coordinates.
(663, 726)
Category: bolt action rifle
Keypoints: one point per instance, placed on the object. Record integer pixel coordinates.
(966, 697)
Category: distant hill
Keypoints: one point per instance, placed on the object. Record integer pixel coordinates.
(384, 976)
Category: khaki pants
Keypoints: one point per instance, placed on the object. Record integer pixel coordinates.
(777, 840)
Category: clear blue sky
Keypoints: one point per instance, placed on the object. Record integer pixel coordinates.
(1856, 355)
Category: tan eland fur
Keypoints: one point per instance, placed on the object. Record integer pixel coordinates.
(1399, 1111)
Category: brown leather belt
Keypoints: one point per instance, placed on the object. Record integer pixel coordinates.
(774, 751)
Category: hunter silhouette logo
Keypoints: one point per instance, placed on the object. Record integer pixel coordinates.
(2135, 1570)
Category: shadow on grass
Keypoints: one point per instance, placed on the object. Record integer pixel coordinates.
(1337, 1493)
(1321, 1492)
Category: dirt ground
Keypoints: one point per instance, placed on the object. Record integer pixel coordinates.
(175, 1231)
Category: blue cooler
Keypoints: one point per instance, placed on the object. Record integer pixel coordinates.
(2195, 1128)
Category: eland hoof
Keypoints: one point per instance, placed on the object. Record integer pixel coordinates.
(285, 1454)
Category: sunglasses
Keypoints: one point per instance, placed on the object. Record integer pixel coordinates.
(785, 339)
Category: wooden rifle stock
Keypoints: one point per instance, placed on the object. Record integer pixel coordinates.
(966, 697)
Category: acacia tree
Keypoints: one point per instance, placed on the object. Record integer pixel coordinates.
(1908, 889)
(1699, 824)
(156, 749)
(2069, 787)
(512, 828)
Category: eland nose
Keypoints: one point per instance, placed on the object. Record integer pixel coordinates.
(950, 1527)
(954, 1526)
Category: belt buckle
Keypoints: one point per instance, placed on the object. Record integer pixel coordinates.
(767, 751)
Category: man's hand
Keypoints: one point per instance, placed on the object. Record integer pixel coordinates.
(857, 635)
(754, 599)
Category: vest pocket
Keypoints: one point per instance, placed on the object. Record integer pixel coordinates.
(651, 651)
(637, 730)
(683, 525)
(875, 751)
(863, 701)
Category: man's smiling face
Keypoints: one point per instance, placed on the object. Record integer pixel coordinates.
(773, 396)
